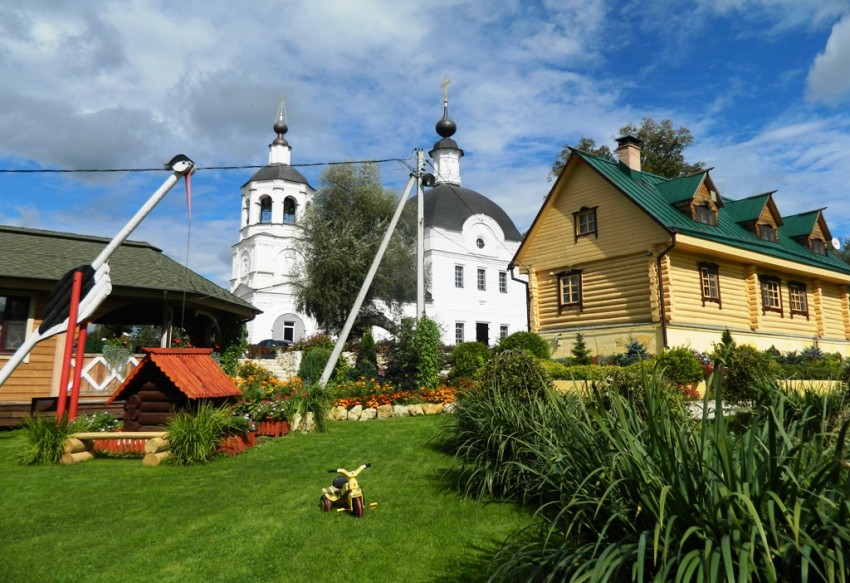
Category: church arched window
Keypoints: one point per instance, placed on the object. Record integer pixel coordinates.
(289, 206)
(266, 209)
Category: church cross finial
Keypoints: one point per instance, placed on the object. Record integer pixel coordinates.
(281, 111)
(445, 86)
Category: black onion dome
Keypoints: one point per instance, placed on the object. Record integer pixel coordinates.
(448, 206)
(280, 128)
(446, 128)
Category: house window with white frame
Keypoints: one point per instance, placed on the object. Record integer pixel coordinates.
(503, 282)
(570, 290)
(482, 279)
(771, 296)
(797, 303)
(458, 275)
(503, 331)
(14, 313)
(459, 333)
(585, 222)
(709, 275)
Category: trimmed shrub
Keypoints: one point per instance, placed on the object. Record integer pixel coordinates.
(467, 359)
(528, 342)
(680, 366)
(744, 368)
(516, 372)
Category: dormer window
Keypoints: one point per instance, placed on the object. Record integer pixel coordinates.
(704, 214)
(818, 246)
(767, 232)
(585, 222)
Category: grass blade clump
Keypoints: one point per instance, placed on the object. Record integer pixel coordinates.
(194, 436)
(44, 439)
(631, 487)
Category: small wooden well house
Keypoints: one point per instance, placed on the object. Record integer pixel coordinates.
(170, 380)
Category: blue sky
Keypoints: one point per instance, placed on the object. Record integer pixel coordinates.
(764, 86)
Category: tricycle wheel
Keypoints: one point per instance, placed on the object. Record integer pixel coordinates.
(357, 507)
(325, 504)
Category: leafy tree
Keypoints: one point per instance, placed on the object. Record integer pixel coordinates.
(661, 152)
(340, 235)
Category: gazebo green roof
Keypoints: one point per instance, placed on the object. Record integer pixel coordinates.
(39, 258)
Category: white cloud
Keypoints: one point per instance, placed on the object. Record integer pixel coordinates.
(828, 79)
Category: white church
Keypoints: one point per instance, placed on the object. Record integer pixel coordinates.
(469, 241)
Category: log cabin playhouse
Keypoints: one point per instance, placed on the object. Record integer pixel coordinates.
(169, 380)
(618, 254)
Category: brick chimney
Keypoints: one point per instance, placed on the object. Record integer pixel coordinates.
(628, 149)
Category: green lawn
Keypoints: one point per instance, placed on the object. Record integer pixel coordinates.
(254, 517)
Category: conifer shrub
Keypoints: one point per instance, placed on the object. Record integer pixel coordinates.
(366, 364)
(529, 342)
(579, 353)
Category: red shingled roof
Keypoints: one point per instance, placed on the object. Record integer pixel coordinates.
(192, 371)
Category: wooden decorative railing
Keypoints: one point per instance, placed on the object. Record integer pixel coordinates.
(97, 378)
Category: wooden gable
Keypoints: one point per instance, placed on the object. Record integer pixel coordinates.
(622, 227)
(809, 229)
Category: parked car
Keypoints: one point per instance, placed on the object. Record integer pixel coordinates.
(267, 348)
(270, 343)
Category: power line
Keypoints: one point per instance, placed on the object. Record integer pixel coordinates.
(245, 167)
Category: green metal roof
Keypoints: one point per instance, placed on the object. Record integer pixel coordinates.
(32, 254)
(748, 209)
(680, 189)
(652, 193)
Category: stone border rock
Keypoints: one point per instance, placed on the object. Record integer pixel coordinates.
(360, 413)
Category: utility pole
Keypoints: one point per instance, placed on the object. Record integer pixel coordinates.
(420, 236)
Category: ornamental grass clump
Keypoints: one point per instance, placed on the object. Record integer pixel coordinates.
(44, 439)
(631, 489)
(493, 426)
(194, 436)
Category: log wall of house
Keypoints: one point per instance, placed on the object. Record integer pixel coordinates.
(35, 377)
(686, 305)
(615, 291)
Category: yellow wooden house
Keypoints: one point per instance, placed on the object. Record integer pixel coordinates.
(619, 254)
